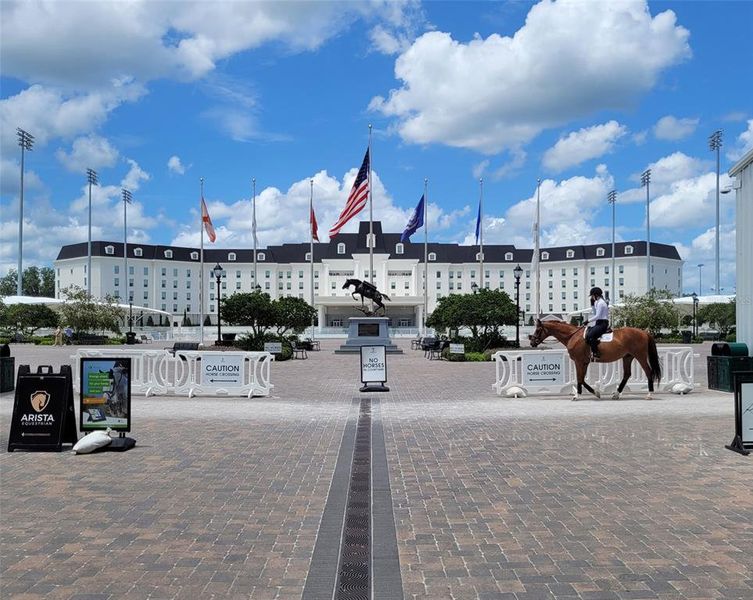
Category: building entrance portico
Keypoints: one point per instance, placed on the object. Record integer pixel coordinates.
(402, 311)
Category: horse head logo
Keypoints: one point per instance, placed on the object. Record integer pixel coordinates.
(39, 400)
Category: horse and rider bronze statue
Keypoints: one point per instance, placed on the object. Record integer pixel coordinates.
(366, 290)
(628, 343)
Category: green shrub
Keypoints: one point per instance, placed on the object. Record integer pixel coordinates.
(732, 337)
(475, 356)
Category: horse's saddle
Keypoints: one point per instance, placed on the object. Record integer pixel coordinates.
(607, 336)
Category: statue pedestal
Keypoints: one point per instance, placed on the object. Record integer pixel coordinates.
(367, 331)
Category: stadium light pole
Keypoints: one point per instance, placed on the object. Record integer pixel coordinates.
(612, 199)
(26, 141)
(700, 279)
(127, 198)
(91, 177)
(645, 182)
(715, 143)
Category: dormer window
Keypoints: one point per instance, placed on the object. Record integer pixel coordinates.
(508, 255)
(231, 256)
(399, 248)
(479, 256)
(138, 252)
(307, 258)
(168, 253)
(371, 240)
(545, 256)
(432, 256)
(341, 248)
(570, 254)
(628, 249)
(599, 251)
(110, 250)
(194, 256)
(261, 256)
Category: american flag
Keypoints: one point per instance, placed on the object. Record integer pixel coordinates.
(357, 198)
(207, 221)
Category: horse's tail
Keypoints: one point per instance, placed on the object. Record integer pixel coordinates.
(653, 360)
(385, 296)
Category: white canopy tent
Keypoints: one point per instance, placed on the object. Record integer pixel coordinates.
(54, 303)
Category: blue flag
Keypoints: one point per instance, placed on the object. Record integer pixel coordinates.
(416, 221)
(478, 222)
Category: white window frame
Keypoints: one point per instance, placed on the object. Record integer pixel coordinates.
(110, 250)
(138, 252)
(168, 253)
(570, 254)
(261, 256)
(628, 249)
(399, 248)
(341, 248)
(508, 256)
(231, 256)
(194, 256)
(600, 252)
(432, 256)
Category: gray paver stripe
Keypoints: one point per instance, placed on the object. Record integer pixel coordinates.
(386, 580)
(322, 575)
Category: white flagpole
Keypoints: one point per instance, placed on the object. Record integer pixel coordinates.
(371, 221)
(481, 231)
(426, 252)
(536, 249)
(311, 251)
(201, 271)
(253, 232)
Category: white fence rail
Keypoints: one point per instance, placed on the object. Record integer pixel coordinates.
(676, 363)
(158, 372)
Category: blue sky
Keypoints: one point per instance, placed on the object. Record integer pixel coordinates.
(582, 94)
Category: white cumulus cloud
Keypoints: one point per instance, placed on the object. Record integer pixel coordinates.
(582, 145)
(92, 152)
(500, 92)
(175, 165)
(672, 128)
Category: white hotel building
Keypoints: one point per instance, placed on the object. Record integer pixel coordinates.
(167, 277)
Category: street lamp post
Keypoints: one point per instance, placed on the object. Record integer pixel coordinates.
(695, 309)
(219, 272)
(645, 182)
(474, 287)
(715, 143)
(26, 141)
(700, 279)
(517, 271)
(91, 177)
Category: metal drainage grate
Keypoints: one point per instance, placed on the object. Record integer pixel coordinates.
(353, 581)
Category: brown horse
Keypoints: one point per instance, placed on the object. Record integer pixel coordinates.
(628, 343)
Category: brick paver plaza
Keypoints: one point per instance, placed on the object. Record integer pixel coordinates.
(492, 498)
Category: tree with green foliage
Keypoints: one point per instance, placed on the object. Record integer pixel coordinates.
(27, 318)
(721, 315)
(652, 312)
(84, 314)
(483, 313)
(259, 312)
(36, 282)
(292, 314)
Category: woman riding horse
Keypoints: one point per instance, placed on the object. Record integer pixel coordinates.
(627, 343)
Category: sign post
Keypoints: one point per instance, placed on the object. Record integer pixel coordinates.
(374, 368)
(743, 440)
(43, 414)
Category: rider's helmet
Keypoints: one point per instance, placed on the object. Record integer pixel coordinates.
(596, 292)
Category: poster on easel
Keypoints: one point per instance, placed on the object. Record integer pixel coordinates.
(742, 443)
(105, 394)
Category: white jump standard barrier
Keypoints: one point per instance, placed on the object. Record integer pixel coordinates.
(191, 372)
(551, 372)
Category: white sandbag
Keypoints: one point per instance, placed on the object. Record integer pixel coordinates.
(92, 441)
